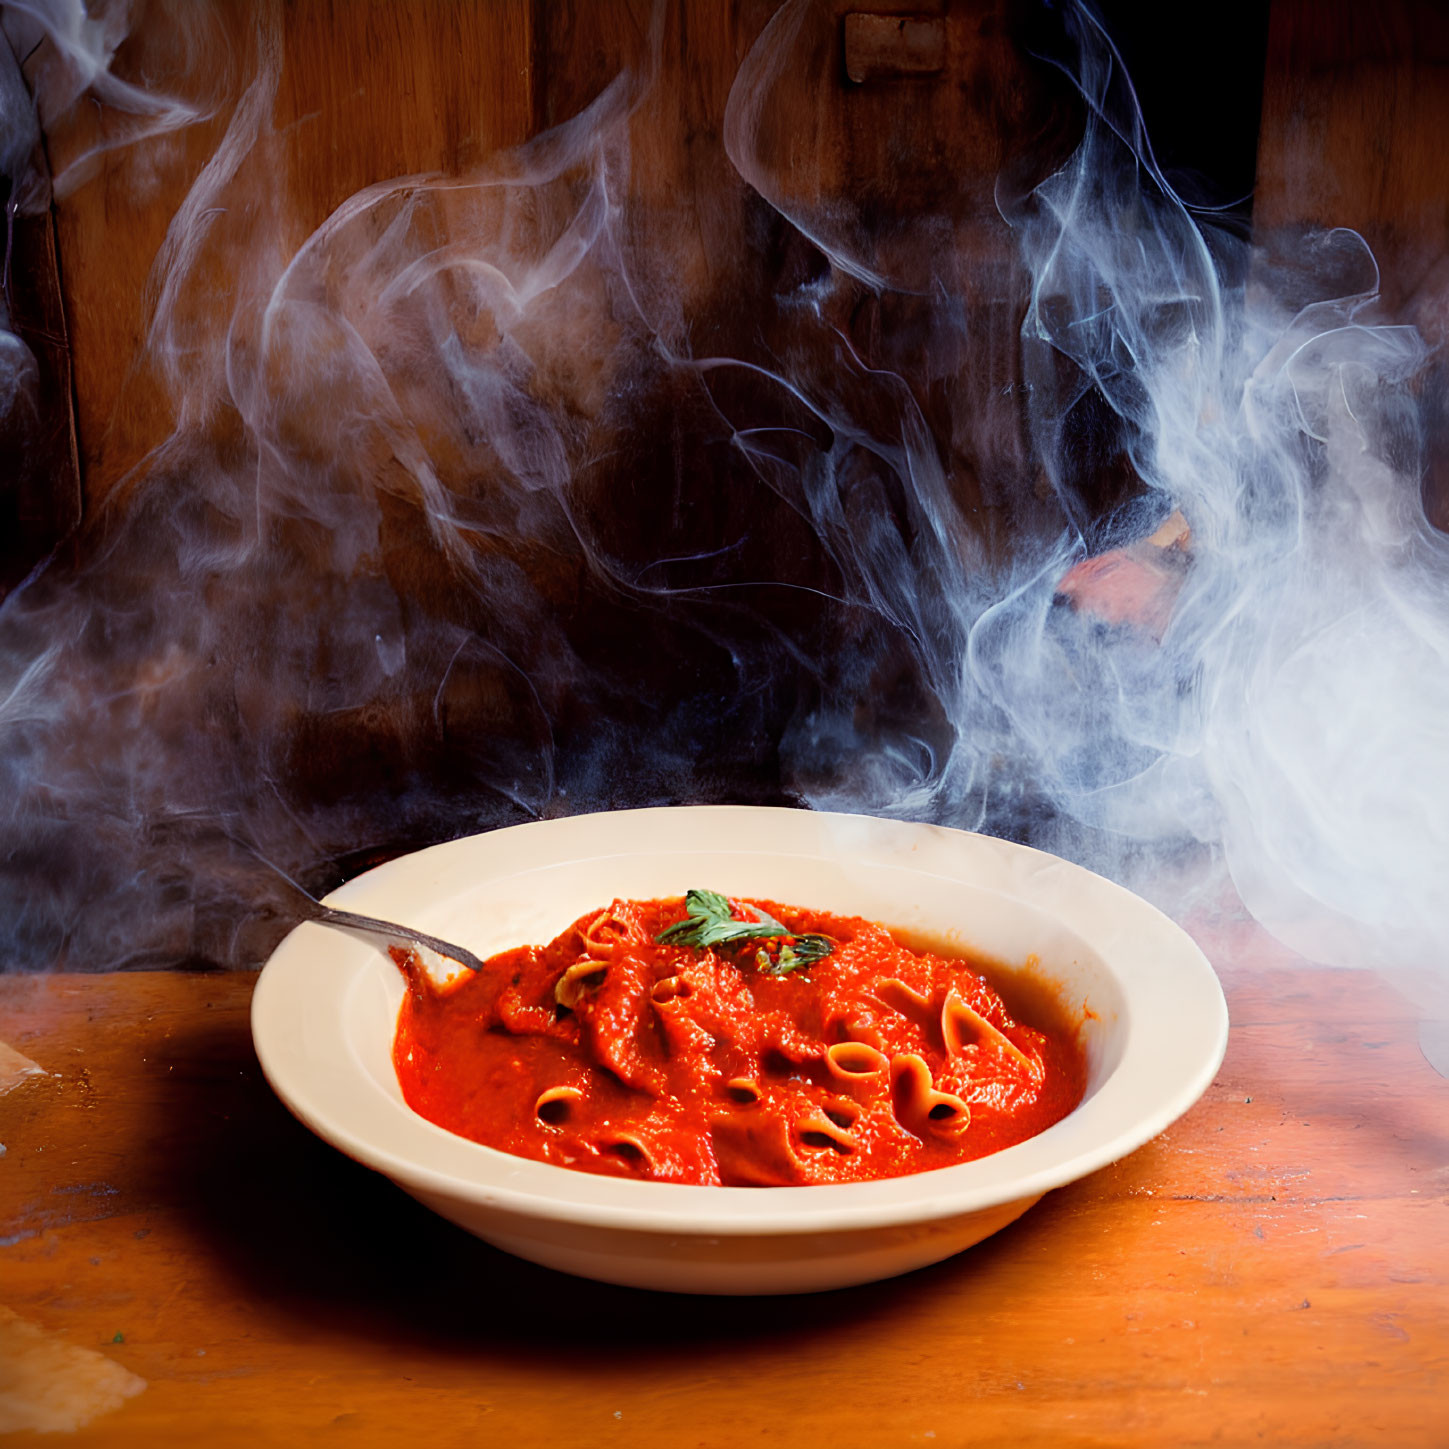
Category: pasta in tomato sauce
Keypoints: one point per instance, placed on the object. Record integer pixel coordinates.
(803, 1048)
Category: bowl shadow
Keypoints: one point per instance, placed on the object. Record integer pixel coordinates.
(332, 1245)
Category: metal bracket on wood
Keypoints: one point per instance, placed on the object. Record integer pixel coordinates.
(882, 47)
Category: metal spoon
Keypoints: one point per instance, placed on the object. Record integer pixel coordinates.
(350, 920)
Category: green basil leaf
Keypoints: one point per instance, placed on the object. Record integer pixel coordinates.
(708, 922)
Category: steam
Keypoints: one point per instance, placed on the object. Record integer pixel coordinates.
(77, 63)
(27, 190)
(1291, 720)
(1295, 711)
(480, 506)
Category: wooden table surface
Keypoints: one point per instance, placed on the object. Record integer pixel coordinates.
(1273, 1269)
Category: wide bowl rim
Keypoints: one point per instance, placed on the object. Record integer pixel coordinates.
(313, 970)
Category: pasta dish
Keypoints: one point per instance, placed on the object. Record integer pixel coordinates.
(739, 1043)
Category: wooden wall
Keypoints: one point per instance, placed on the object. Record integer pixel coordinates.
(673, 603)
(1355, 107)
(659, 599)
(367, 91)
(1355, 116)
(1355, 121)
(371, 90)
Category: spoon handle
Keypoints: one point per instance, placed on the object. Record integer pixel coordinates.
(351, 920)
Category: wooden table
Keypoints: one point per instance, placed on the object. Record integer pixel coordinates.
(1274, 1269)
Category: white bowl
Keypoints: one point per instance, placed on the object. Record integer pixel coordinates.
(1154, 1029)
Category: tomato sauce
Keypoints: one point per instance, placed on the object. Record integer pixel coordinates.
(609, 1052)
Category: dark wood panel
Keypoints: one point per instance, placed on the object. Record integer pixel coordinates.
(372, 91)
(365, 92)
(1355, 112)
(40, 497)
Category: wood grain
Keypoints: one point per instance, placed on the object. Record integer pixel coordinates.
(365, 92)
(1355, 106)
(1355, 110)
(1271, 1269)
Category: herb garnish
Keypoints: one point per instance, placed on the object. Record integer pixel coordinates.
(709, 922)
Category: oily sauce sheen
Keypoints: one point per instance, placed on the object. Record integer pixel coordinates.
(608, 1052)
